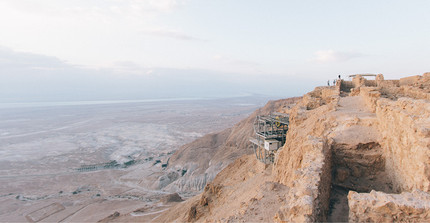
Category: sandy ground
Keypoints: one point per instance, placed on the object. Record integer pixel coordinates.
(42, 148)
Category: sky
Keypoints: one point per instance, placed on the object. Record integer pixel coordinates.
(55, 50)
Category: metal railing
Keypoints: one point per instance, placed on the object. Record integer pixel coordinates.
(273, 127)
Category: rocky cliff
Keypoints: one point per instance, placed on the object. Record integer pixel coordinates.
(197, 163)
(357, 151)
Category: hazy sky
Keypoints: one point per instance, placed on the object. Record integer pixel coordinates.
(95, 49)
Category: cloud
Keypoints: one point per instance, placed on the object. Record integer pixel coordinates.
(129, 69)
(60, 7)
(22, 60)
(28, 77)
(155, 5)
(33, 77)
(236, 61)
(325, 56)
(172, 34)
(238, 65)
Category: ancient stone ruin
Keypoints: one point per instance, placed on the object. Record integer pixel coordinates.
(359, 151)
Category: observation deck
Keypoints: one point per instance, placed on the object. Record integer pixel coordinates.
(270, 132)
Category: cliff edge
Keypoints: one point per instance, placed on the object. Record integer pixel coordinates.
(197, 163)
(356, 151)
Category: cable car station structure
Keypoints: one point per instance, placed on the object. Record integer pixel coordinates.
(270, 132)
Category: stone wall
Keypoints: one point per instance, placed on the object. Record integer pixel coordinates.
(309, 179)
(370, 96)
(401, 153)
(370, 83)
(320, 96)
(409, 80)
(405, 129)
(360, 167)
(360, 81)
(388, 83)
(304, 162)
(414, 92)
(404, 126)
(381, 207)
(346, 85)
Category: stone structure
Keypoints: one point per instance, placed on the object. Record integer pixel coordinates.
(357, 151)
(322, 151)
(381, 207)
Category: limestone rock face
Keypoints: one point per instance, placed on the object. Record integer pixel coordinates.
(381, 207)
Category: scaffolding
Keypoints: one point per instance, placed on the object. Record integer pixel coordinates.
(270, 132)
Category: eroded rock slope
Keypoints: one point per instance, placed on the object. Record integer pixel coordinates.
(197, 163)
(356, 151)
